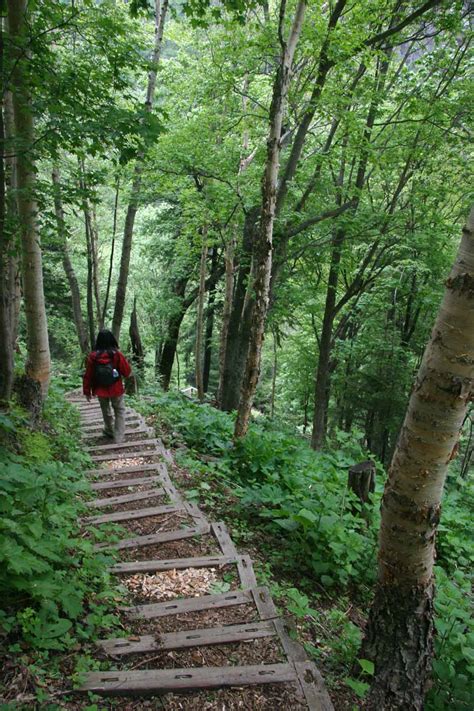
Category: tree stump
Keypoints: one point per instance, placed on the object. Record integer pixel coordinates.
(361, 480)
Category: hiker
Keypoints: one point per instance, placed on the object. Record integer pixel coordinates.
(106, 366)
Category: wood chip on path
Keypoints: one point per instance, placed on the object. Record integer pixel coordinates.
(190, 582)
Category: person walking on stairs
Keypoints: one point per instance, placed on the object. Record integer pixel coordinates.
(106, 366)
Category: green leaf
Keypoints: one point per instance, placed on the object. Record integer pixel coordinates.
(367, 666)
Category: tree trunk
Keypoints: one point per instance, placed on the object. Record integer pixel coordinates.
(112, 251)
(264, 244)
(120, 294)
(226, 312)
(206, 370)
(238, 327)
(68, 268)
(138, 356)
(400, 628)
(274, 376)
(93, 296)
(321, 387)
(171, 341)
(200, 318)
(95, 266)
(14, 268)
(6, 338)
(89, 286)
(38, 365)
(169, 349)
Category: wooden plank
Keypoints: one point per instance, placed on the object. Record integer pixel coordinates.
(183, 640)
(313, 687)
(172, 493)
(264, 603)
(142, 566)
(190, 604)
(126, 455)
(121, 445)
(220, 532)
(132, 515)
(88, 422)
(194, 511)
(96, 416)
(95, 426)
(123, 470)
(138, 430)
(246, 573)
(162, 537)
(119, 483)
(293, 649)
(125, 498)
(161, 681)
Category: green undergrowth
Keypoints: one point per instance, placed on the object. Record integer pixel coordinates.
(318, 549)
(56, 594)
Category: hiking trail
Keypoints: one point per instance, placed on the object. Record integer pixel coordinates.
(181, 639)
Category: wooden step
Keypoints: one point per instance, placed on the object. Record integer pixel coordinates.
(192, 638)
(127, 455)
(124, 470)
(129, 431)
(246, 572)
(132, 515)
(216, 601)
(147, 566)
(126, 498)
(99, 424)
(122, 445)
(161, 681)
(119, 483)
(162, 537)
(96, 420)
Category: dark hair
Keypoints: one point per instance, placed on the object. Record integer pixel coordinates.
(106, 341)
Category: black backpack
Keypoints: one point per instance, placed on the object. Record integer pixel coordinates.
(105, 374)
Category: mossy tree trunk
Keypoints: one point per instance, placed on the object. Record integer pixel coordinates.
(263, 247)
(38, 364)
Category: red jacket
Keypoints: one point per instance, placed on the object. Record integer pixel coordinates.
(118, 361)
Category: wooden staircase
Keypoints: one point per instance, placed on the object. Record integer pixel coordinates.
(151, 496)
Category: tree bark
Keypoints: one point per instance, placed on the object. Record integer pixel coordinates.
(112, 251)
(200, 318)
(14, 268)
(321, 387)
(206, 370)
(161, 8)
(138, 356)
(93, 294)
(38, 365)
(264, 244)
(95, 266)
(68, 268)
(400, 628)
(226, 312)
(6, 338)
(168, 350)
(238, 327)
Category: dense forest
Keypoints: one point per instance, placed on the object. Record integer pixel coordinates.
(268, 204)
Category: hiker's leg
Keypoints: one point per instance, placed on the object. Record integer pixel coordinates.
(104, 403)
(118, 404)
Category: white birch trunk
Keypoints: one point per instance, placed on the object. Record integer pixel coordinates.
(400, 629)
